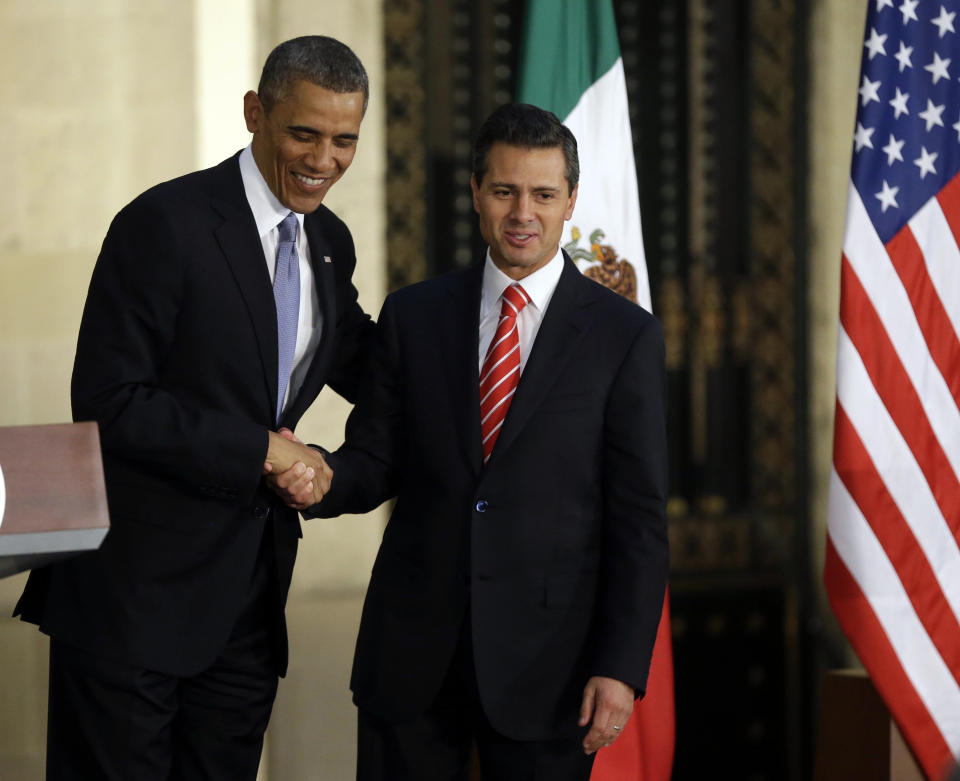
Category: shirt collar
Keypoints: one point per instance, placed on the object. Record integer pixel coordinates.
(267, 209)
(539, 285)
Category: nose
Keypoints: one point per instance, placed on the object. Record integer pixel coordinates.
(320, 159)
(521, 211)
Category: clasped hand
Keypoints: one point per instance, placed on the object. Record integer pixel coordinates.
(298, 474)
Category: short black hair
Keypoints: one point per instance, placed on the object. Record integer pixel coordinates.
(528, 127)
(319, 59)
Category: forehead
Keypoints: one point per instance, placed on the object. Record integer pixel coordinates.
(309, 99)
(526, 166)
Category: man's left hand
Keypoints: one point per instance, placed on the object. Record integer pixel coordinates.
(608, 703)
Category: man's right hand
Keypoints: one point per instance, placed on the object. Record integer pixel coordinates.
(297, 473)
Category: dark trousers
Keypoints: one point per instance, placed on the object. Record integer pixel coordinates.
(438, 745)
(113, 722)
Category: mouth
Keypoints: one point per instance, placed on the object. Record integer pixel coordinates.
(309, 181)
(518, 239)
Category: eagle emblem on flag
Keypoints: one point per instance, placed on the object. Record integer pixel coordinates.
(601, 264)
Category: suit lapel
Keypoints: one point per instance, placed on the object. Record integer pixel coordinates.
(241, 247)
(566, 321)
(323, 278)
(459, 339)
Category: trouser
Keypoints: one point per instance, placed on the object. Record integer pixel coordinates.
(115, 722)
(438, 745)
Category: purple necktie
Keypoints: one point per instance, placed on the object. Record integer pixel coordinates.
(286, 294)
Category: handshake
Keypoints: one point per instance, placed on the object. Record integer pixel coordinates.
(297, 473)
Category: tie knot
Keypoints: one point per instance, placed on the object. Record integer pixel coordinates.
(515, 298)
(288, 227)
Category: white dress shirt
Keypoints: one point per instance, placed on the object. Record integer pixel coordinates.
(268, 213)
(539, 286)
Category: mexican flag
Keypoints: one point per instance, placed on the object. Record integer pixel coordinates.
(570, 64)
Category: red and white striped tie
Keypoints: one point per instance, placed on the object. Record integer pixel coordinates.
(501, 368)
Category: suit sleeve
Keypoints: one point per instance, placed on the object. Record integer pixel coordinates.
(355, 329)
(635, 549)
(366, 468)
(129, 326)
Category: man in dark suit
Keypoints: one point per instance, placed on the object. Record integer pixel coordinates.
(516, 595)
(220, 305)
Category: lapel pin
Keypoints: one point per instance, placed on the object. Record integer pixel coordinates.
(326, 259)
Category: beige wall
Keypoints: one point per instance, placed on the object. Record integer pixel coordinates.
(101, 99)
(836, 41)
(89, 121)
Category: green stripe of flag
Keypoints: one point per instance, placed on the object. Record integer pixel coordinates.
(567, 46)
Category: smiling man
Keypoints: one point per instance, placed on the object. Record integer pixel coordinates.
(516, 410)
(220, 305)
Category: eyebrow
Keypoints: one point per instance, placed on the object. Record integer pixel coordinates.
(536, 188)
(314, 132)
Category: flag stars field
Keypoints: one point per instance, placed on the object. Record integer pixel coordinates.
(908, 87)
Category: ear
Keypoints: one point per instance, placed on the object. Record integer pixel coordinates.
(253, 111)
(475, 188)
(571, 203)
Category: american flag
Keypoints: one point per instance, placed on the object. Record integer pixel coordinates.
(892, 561)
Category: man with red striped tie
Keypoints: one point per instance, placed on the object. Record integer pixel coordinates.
(516, 409)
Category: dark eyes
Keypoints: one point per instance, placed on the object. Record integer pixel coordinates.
(542, 197)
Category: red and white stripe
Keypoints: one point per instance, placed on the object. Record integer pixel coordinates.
(893, 560)
(501, 368)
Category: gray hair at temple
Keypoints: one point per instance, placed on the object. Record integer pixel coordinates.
(319, 59)
(528, 127)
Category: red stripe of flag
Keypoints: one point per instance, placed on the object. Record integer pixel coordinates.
(867, 489)
(937, 329)
(866, 331)
(949, 198)
(872, 645)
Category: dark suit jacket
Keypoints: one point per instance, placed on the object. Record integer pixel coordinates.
(177, 362)
(556, 549)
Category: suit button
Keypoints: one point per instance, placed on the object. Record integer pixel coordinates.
(482, 506)
(259, 512)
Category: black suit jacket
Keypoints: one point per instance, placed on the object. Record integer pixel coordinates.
(556, 548)
(177, 362)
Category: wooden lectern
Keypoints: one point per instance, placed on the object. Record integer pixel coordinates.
(53, 502)
(857, 740)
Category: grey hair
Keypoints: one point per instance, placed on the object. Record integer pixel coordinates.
(319, 59)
